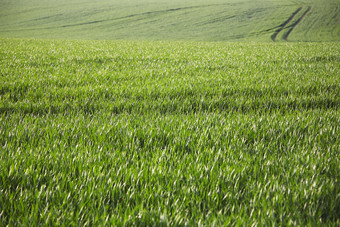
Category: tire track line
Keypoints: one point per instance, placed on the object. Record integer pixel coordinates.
(282, 26)
(285, 36)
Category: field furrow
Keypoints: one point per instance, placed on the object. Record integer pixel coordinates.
(285, 36)
(284, 24)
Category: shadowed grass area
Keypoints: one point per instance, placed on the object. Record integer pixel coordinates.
(169, 133)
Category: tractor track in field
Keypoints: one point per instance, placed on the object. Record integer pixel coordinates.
(284, 24)
(285, 36)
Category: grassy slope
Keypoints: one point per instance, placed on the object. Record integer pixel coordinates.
(95, 132)
(214, 20)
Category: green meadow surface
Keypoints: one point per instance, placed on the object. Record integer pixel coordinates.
(160, 127)
(169, 133)
(200, 20)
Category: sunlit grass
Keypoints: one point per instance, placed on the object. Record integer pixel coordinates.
(173, 133)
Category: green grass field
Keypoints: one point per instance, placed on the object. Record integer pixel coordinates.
(169, 133)
(169, 113)
(200, 20)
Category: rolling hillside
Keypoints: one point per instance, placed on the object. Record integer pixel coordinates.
(215, 20)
